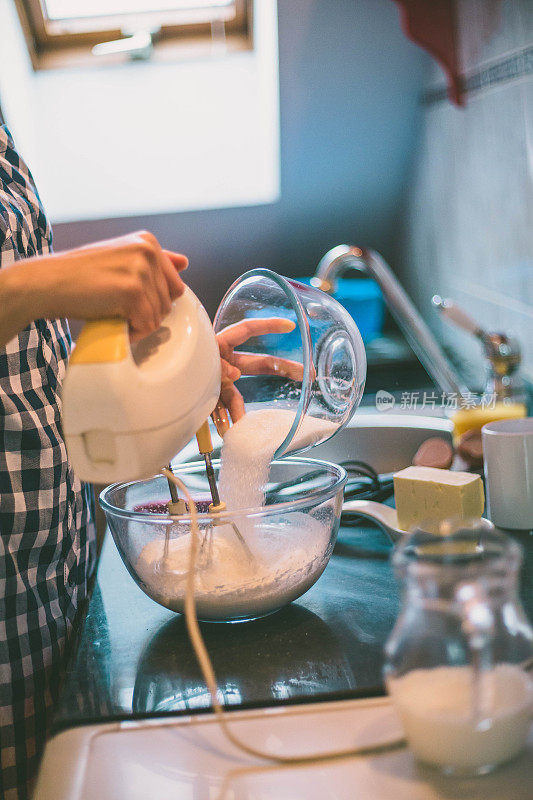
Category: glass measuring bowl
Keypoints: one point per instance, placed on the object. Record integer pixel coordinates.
(457, 658)
(325, 341)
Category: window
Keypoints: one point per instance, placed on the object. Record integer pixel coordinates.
(66, 32)
(152, 137)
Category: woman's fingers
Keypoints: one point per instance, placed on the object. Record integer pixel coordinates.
(220, 419)
(165, 267)
(150, 299)
(158, 271)
(142, 319)
(161, 285)
(247, 364)
(152, 253)
(240, 332)
(232, 399)
(229, 373)
(178, 260)
(254, 364)
(173, 263)
(153, 296)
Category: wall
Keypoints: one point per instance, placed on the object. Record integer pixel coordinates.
(349, 89)
(469, 230)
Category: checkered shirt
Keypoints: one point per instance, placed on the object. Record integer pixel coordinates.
(47, 544)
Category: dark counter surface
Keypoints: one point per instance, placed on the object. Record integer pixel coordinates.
(132, 658)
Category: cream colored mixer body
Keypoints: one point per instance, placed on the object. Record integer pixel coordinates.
(127, 409)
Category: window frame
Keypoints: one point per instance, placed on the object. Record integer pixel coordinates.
(52, 50)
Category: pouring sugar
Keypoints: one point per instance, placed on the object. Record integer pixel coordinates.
(287, 560)
(250, 445)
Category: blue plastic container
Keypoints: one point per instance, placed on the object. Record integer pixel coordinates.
(361, 297)
(363, 300)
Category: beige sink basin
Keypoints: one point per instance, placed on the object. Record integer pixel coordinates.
(386, 441)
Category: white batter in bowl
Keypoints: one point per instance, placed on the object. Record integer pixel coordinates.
(289, 540)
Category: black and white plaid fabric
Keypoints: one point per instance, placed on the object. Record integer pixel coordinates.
(47, 545)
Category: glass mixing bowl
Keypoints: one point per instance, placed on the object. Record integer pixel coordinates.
(251, 562)
(325, 341)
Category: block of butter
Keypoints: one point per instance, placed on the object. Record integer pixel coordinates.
(425, 494)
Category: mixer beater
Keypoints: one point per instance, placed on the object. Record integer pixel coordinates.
(177, 506)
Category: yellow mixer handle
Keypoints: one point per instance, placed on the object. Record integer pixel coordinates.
(203, 437)
(102, 341)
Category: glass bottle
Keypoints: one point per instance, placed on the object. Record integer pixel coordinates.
(457, 658)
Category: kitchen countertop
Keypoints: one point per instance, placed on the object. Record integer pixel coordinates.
(131, 658)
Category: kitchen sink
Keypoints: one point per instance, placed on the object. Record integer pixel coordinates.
(385, 441)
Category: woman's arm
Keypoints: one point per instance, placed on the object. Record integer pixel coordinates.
(130, 277)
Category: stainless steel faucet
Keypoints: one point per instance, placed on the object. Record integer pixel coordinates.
(502, 353)
(415, 330)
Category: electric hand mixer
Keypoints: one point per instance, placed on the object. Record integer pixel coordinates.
(129, 408)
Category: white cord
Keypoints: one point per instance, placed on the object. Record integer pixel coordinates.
(208, 673)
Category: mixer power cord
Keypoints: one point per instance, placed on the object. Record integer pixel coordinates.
(363, 483)
(208, 673)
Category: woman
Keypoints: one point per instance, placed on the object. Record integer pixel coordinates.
(47, 542)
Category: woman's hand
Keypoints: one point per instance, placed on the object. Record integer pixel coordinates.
(234, 364)
(130, 277)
